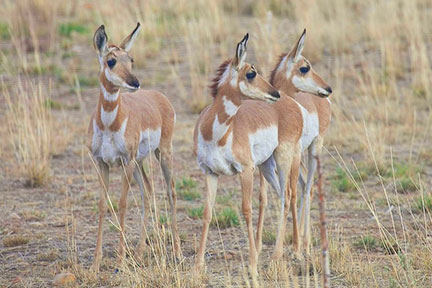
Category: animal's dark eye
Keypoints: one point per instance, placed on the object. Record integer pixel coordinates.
(250, 75)
(111, 63)
(304, 70)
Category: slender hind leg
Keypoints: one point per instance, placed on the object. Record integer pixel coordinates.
(314, 150)
(301, 210)
(126, 178)
(146, 192)
(167, 166)
(283, 156)
(267, 172)
(246, 178)
(104, 180)
(209, 200)
(262, 207)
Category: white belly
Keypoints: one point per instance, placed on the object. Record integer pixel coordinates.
(262, 143)
(310, 128)
(217, 159)
(149, 141)
(109, 146)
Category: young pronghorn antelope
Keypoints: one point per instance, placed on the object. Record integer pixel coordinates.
(293, 75)
(234, 136)
(126, 128)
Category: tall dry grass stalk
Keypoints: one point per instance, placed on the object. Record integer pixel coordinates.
(30, 130)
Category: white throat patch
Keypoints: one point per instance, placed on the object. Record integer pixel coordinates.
(108, 96)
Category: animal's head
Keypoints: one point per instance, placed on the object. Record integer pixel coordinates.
(244, 78)
(115, 61)
(295, 73)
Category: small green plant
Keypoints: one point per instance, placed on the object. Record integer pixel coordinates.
(390, 246)
(226, 218)
(225, 199)
(195, 213)
(112, 228)
(66, 29)
(186, 189)
(163, 219)
(341, 181)
(366, 242)
(4, 31)
(268, 237)
(424, 203)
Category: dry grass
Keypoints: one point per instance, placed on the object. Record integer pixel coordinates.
(30, 131)
(378, 144)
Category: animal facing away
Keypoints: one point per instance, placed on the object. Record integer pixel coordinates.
(233, 136)
(294, 75)
(124, 130)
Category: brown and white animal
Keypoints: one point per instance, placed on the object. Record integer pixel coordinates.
(234, 136)
(125, 129)
(293, 75)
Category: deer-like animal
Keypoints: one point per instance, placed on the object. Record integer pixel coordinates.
(234, 136)
(293, 75)
(124, 130)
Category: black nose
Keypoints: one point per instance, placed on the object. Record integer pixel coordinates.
(329, 89)
(134, 83)
(275, 94)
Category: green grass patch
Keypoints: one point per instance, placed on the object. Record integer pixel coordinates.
(163, 219)
(225, 199)
(195, 213)
(268, 237)
(49, 103)
(225, 218)
(4, 31)
(67, 29)
(424, 203)
(341, 181)
(367, 242)
(88, 81)
(187, 189)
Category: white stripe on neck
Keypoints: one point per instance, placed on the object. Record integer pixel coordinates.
(230, 107)
(108, 96)
(108, 117)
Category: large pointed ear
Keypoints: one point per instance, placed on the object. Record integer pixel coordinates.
(241, 53)
(100, 40)
(296, 51)
(126, 44)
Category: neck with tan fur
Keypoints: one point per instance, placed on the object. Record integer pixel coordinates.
(109, 106)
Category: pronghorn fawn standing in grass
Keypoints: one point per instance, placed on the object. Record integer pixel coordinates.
(234, 136)
(294, 76)
(125, 129)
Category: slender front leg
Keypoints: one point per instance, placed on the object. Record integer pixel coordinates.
(294, 175)
(246, 178)
(104, 180)
(210, 196)
(166, 164)
(126, 178)
(262, 207)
